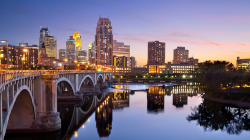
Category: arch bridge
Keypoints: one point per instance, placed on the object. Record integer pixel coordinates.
(28, 99)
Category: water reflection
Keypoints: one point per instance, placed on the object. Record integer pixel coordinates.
(120, 99)
(155, 99)
(103, 117)
(214, 116)
(210, 115)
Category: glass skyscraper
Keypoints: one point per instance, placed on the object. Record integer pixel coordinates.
(120, 50)
(92, 55)
(71, 50)
(50, 42)
(104, 42)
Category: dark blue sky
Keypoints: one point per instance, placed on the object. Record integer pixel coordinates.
(204, 27)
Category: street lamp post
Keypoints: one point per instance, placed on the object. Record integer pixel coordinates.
(3, 41)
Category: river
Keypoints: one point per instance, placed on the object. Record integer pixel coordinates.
(137, 111)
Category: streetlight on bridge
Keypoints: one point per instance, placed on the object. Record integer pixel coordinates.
(3, 41)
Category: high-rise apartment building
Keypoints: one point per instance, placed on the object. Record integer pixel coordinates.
(180, 55)
(82, 56)
(120, 50)
(156, 52)
(49, 42)
(62, 55)
(92, 53)
(71, 50)
(77, 38)
(104, 42)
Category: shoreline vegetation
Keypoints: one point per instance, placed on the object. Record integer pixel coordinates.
(230, 102)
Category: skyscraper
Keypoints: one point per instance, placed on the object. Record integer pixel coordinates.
(156, 52)
(180, 55)
(120, 50)
(43, 32)
(104, 42)
(71, 50)
(132, 62)
(49, 42)
(77, 38)
(82, 56)
(92, 55)
(62, 55)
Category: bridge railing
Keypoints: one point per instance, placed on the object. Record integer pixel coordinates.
(6, 76)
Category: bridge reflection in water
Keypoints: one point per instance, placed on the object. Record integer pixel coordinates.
(74, 115)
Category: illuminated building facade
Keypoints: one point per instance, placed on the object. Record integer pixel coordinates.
(77, 38)
(180, 55)
(156, 68)
(62, 55)
(82, 57)
(18, 57)
(243, 64)
(120, 50)
(120, 99)
(103, 117)
(156, 53)
(43, 59)
(179, 99)
(155, 99)
(71, 50)
(104, 42)
(120, 65)
(92, 53)
(183, 68)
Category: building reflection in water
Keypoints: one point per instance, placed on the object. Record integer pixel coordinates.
(181, 92)
(120, 99)
(103, 117)
(155, 97)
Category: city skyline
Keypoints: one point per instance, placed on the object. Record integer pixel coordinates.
(222, 32)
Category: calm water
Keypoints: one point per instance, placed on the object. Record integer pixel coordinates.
(159, 112)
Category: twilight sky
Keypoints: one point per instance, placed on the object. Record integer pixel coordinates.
(209, 29)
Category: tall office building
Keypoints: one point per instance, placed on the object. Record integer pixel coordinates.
(77, 38)
(82, 56)
(92, 55)
(180, 55)
(43, 32)
(62, 55)
(71, 50)
(132, 62)
(120, 50)
(49, 42)
(104, 42)
(156, 52)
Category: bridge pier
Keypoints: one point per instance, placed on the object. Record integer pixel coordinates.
(48, 118)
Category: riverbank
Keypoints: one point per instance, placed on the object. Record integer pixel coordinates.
(231, 102)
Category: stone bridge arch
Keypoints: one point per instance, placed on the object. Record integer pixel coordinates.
(65, 84)
(87, 83)
(21, 113)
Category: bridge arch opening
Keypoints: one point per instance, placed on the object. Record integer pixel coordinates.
(64, 88)
(99, 81)
(22, 114)
(87, 85)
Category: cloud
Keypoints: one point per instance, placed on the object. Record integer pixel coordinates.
(238, 43)
(178, 34)
(135, 17)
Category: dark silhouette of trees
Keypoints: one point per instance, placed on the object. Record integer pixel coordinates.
(214, 116)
